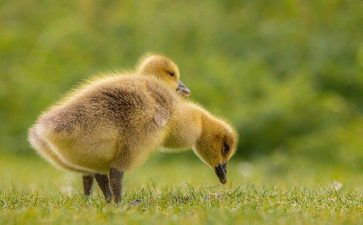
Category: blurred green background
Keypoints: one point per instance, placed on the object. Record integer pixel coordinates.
(288, 74)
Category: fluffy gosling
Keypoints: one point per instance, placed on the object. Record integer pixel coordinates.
(164, 69)
(157, 66)
(113, 124)
(212, 139)
(107, 126)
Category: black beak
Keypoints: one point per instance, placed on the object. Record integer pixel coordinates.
(221, 171)
(182, 89)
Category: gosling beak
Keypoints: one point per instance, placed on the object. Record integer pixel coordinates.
(221, 171)
(182, 89)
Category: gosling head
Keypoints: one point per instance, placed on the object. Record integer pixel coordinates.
(164, 69)
(216, 145)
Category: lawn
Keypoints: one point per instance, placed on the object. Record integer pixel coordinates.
(178, 189)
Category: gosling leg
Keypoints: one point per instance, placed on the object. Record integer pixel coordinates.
(104, 184)
(116, 177)
(87, 184)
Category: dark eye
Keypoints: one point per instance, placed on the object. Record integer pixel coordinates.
(170, 73)
(225, 148)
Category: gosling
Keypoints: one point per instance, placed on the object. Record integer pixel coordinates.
(113, 124)
(212, 139)
(153, 65)
(164, 69)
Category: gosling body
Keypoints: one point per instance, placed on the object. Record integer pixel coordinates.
(150, 65)
(112, 124)
(107, 123)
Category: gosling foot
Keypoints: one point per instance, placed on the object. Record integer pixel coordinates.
(87, 184)
(116, 177)
(104, 184)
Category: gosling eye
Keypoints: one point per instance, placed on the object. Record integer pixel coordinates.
(225, 149)
(172, 74)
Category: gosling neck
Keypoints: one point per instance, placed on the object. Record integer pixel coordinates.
(205, 125)
(185, 127)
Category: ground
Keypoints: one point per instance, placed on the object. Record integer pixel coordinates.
(176, 189)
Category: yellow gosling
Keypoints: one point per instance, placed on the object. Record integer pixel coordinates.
(164, 69)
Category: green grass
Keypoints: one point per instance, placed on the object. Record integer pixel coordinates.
(174, 189)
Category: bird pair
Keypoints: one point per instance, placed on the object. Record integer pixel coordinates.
(114, 121)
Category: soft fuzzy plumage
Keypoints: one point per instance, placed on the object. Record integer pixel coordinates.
(113, 123)
(117, 115)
